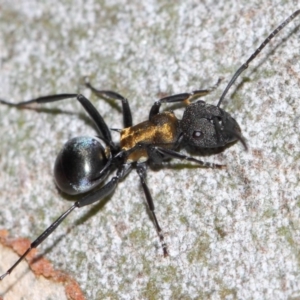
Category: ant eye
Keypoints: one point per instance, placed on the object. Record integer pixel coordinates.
(198, 134)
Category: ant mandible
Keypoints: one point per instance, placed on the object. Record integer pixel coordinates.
(85, 162)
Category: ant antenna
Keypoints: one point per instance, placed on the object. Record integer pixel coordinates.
(244, 66)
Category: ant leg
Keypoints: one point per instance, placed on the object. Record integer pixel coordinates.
(88, 106)
(184, 97)
(93, 197)
(141, 170)
(154, 151)
(107, 94)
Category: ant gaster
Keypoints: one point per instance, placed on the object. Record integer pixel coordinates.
(84, 162)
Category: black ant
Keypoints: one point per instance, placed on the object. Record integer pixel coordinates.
(84, 162)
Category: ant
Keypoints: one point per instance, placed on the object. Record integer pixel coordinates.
(85, 162)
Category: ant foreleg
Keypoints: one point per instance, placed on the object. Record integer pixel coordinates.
(168, 153)
(184, 97)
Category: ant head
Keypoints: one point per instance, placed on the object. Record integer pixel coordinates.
(208, 126)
